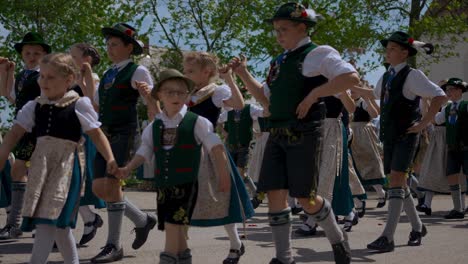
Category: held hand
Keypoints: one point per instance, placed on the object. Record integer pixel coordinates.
(112, 167)
(225, 73)
(238, 64)
(122, 173)
(12, 65)
(304, 107)
(143, 88)
(224, 184)
(416, 128)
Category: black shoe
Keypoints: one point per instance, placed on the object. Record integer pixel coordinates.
(382, 202)
(95, 224)
(10, 232)
(382, 245)
(348, 224)
(256, 202)
(296, 210)
(108, 254)
(238, 252)
(310, 232)
(415, 237)
(276, 261)
(424, 209)
(341, 251)
(142, 232)
(362, 210)
(454, 214)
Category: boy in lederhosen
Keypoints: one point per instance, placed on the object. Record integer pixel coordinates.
(400, 90)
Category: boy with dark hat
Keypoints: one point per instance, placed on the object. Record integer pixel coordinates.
(400, 90)
(298, 78)
(455, 117)
(117, 96)
(20, 90)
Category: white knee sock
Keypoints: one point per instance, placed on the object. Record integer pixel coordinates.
(428, 198)
(66, 245)
(43, 243)
(231, 230)
(380, 191)
(88, 217)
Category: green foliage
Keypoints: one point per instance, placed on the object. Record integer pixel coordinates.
(6, 116)
(63, 23)
(440, 22)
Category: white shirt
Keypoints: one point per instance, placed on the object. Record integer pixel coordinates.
(255, 113)
(323, 60)
(416, 84)
(83, 108)
(440, 117)
(361, 103)
(203, 132)
(141, 74)
(12, 90)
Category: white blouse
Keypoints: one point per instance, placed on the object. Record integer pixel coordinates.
(83, 108)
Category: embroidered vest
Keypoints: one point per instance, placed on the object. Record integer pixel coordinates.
(360, 114)
(208, 110)
(289, 87)
(179, 164)
(117, 104)
(59, 122)
(334, 106)
(399, 113)
(239, 128)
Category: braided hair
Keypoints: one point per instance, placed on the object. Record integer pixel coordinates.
(88, 50)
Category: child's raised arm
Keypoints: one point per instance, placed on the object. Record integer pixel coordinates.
(103, 146)
(239, 67)
(9, 142)
(236, 101)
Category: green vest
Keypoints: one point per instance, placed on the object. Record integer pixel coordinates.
(399, 113)
(457, 134)
(288, 86)
(240, 131)
(117, 104)
(179, 164)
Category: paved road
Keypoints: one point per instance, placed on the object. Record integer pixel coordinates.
(446, 241)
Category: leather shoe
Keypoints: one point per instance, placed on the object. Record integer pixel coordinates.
(454, 214)
(415, 237)
(109, 253)
(95, 224)
(141, 233)
(382, 245)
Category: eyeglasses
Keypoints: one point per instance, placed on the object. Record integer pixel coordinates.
(175, 93)
(283, 30)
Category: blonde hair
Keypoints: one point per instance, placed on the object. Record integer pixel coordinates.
(62, 62)
(204, 60)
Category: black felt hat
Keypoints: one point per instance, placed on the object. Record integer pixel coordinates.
(127, 32)
(32, 38)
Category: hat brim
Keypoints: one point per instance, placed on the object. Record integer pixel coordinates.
(19, 46)
(137, 47)
(412, 51)
(309, 23)
(190, 85)
(462, 87)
